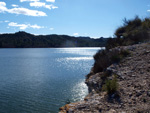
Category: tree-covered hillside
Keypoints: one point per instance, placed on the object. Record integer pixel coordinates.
(26, 40)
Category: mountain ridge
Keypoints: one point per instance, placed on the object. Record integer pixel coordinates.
(23, 39)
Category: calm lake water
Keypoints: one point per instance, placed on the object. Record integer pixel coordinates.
(42, 80)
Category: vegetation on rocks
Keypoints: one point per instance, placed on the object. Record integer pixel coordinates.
(132, 31)
(111, 86)
(105, 58)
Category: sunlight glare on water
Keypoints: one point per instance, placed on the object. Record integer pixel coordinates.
(79, 87)
(79, 58)
(79, 51)
(40, 80)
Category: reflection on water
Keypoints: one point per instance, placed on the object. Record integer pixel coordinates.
(74, 58)
(79, 51)
(79, 90)
(41, 80)
(79, 58)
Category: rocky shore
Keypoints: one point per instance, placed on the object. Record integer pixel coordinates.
(133, 93)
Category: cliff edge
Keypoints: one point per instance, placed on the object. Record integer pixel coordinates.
(133, 85)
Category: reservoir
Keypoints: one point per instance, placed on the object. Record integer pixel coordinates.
(40, 80)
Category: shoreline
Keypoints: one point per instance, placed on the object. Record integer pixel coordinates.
(133, 78)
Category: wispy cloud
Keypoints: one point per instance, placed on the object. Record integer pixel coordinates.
(148, 10)
(36, 1)
(51, 28)
(23, 11)
(14, 5)
(21, 26)
(29, 0)
(42, 4)
(35, 26)
(75, 34)
(50, 1)
(26, 11)
(6, 21)
(3, 7)
(24, 26)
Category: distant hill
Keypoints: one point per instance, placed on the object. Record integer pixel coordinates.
(25, 40)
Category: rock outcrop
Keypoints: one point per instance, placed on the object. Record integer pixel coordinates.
(133, 75)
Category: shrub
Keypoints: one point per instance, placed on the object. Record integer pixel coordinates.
(115, 58)
(105, 58)
(131, 32)
(101, 61)
(124, 53)
(111, 86)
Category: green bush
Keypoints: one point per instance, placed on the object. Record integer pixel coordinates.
(131, 32)
(111, 86)
(124, 53)
(116, 58)
(105, 58)
(101, 61)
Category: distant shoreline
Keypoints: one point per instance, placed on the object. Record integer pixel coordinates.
(26, 40)
(58, 48)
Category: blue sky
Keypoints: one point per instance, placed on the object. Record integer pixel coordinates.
(94, 18)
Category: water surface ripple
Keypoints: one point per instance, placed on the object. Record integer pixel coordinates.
(42, 80)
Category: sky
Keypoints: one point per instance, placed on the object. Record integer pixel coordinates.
(94, 18)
